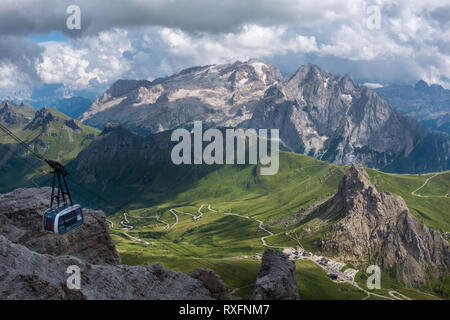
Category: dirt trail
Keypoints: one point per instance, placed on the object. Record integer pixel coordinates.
(414, 193)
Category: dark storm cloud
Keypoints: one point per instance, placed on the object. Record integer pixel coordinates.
(28, 16)
(21, 53)
(442, 14)
(152, 38)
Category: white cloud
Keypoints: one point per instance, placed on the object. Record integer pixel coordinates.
(83, 61)
(252, 41)
(9, 72)
(373, 85)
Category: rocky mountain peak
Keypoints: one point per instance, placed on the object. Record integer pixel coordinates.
(8, 107)
(114, 128)
(320, 114)
(308, 72)
(45, 113)
(121, 87)
(276, 279)
(8, 104)
(347, 83)
(377, 228)
(354, 181)
(12, 114)
(421, 85)
(43, 119)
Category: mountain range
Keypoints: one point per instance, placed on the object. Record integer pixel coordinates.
(74, 106)
(47, 131)
(118, 169)
(429, 104)
(329, 117)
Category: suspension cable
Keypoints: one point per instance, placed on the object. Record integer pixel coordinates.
(21, 142)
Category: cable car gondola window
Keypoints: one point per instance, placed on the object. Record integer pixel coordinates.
(61, 224)
(69, 219)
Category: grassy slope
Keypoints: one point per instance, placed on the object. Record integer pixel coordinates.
(63, 145)
(433, 209)
(216, 241)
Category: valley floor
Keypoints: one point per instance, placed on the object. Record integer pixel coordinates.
(240, 271)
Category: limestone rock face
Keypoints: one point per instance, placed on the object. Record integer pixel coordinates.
(34, 264)
(219, 94)
(213, 283)
(21, 222)
(276, 278)
(25, 274)
(329, 117)
(377, 228)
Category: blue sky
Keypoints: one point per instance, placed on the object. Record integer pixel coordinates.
(45, 37)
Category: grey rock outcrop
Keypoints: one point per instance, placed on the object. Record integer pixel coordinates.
(15, 115)
(213, 283)
(377, 228)
(21, 222)
(276, 279)
(34, 264)
(25, 274)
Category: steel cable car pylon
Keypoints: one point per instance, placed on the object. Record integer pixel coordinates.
(59, 177)
(65, 215)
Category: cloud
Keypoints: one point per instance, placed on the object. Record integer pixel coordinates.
(148, 39)
(154, 52)
(85, 61)
(18, 58)
(373, 85)
(29, 16)
(252, 41)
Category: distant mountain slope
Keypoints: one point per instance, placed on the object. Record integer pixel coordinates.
(135, 169)
(15, 116)
(428, 104)
(323, 115)
(74, 107)
(47, 131)
(218, 94)
(333, 119)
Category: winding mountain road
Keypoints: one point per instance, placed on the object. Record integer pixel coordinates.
(393, 295)
(260, 225)
(125, 232)
(414, 193)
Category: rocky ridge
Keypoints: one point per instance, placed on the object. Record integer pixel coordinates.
(33, 264)
(320, 114)
(377, 228)
(220, 94)
(21, 222)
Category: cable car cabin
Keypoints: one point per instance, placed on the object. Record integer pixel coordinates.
(63, 219)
